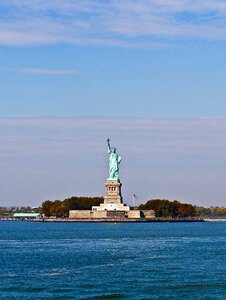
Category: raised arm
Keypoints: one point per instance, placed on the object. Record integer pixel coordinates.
(109, 147)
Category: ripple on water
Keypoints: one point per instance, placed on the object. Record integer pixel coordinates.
(99, 261)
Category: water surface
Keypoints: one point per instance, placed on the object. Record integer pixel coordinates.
(112, 261)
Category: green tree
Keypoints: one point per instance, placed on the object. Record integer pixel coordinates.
(169, 209)
(57, 209)
(211, 211)
(3, 211)
(61, 208)
(81, 203)
(46, 208)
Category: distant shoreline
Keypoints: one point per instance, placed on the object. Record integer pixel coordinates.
(67, 220)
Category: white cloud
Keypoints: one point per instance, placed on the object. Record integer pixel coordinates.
(123, 23)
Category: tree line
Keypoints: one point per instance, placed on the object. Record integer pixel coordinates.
(213, 212)
(163, 208)
(169, 209)
(9, 211)
(60, 208)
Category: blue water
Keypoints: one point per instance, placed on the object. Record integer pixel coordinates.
(112, 261)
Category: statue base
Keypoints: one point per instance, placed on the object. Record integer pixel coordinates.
(113, 197)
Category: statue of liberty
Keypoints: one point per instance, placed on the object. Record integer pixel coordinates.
(114, 161)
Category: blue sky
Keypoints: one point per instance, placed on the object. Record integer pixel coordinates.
(185, 81)
(126, 60)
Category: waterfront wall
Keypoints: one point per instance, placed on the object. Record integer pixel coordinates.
(108, 214)
(134, 214)
(87, 214)
(148, 214)
(79, 214)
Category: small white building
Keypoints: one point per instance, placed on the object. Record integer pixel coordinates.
(27, 215)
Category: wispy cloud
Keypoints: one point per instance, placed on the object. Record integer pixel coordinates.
(124, 23)
(173, 158)
(40, 71)
(140, 135)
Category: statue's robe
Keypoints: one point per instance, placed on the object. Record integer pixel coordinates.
(114, 161)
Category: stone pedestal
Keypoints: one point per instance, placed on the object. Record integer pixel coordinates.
(113, 192)
(113, 197)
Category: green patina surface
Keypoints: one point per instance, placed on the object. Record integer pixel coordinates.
(114, 161)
